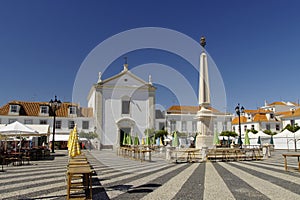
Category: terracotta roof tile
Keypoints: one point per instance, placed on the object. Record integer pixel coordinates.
(287, 114)
(235, 120)
(277, 103)
(176, 109)
(33, 109)
(257, 111)
(260, 117)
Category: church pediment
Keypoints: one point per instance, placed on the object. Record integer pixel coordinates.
(124, 79)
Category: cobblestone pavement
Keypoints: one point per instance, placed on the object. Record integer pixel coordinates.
(121, 178)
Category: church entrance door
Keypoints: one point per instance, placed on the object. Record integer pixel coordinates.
(123, 132)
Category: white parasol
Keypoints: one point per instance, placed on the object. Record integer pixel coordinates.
(17, 129)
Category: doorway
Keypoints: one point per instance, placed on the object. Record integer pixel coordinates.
(123, 132)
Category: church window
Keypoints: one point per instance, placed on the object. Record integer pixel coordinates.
(125, 106)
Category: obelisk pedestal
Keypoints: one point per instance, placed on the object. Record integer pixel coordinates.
(205, 136)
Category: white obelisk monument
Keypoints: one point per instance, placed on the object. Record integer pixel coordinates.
(205, 116)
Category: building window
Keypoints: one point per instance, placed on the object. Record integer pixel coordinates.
(13, 108)
(44, 110)
(245, 127)
(161, 126)
(194, 126)
(72, 110)
(268, 127)
(28, 121)
(224, 126)
(58, 124)
(85, 124)
(183, 125)
(43, 121)
(277, 127)
(125, 106)
(173, 126)
(71, 124)
(233, 128)
(292, 122)
(252, 127)
(11, 121)
(272, 116)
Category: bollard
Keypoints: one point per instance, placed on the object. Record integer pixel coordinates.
(168, 153)
(265, 152)
(204, 152)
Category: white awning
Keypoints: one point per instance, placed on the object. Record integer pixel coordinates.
(42, 129)
(59, 137)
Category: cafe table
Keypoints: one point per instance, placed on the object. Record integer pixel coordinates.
(86, 172)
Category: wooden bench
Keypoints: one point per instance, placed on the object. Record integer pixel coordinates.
(186, 155)
(225, 154)
(216, 154)
(285, 155)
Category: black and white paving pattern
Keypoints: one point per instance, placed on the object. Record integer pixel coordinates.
(122, 178)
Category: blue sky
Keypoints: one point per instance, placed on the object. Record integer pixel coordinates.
(255, 44)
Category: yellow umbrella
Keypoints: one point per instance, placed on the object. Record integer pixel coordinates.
(143, 141)
(74, 146)
(160, 142)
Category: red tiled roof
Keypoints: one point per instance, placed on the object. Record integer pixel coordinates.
(277, 103)
(176, 109)
(257, 111)
(33, 109)
(295, 113)
(235, 120)
(260, 117)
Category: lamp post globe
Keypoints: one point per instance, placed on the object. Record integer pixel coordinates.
(238, 111)
(54, 106)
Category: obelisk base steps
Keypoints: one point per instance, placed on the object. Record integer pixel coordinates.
(204, 141)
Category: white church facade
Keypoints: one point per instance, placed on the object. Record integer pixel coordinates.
(122, 104)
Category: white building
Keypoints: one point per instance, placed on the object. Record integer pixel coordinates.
(122, 104)
(259, 120)
(273, 118)
(280, 106)
(31, 113)
(184, 120)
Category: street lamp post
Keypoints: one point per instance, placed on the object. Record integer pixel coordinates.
(238, 111)
(293, 128)
(54, 105)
